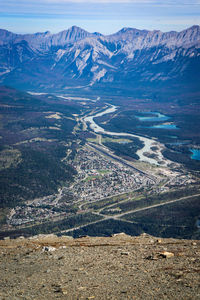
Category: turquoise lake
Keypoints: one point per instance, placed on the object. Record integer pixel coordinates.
(165, 126)
(198, 223)
(195, 154)
(158, 117)
(161, 126)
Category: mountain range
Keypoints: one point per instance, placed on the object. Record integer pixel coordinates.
(75, 57)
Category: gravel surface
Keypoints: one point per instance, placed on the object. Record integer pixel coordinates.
(120, 267)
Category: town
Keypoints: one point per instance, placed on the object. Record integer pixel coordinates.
(98, 177)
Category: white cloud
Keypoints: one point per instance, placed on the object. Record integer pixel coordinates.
(99, 1)
(63, 2)
(172, 2)
(116, 1)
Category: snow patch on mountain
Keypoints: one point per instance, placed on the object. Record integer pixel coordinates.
(95, 46)
(101, 62)
(94, 68)
(77, 53)
(98, 76)
(81, 62)
(60, 54)
(166, 58)
(5, 71)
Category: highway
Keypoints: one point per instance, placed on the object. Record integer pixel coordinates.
(119, 216)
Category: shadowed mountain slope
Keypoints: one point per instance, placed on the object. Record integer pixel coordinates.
(75, 57)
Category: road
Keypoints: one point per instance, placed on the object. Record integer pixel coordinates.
(154, 205)
(122, 161)
(117, 217)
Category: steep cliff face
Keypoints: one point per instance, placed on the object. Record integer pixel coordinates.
(75, 56)
(118, 267)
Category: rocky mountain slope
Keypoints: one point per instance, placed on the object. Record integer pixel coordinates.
(76, 57)
(118, 267)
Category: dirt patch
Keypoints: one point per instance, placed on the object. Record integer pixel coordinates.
(120, 267)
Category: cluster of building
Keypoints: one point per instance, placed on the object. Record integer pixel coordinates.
(26, 214)
(99, 177)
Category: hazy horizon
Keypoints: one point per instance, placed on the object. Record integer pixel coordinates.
(96, 31)
(105, 16)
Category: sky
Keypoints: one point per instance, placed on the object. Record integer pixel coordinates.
(104, 16)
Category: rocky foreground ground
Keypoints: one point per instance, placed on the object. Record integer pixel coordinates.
(118, 267)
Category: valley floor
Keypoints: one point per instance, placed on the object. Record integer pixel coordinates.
(70, 175)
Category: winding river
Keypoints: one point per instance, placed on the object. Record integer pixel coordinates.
(148, 143)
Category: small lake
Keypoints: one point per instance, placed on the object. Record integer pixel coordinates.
(195, 154)
(161, 126)
(165, 126)
(156, 117)
(124, 142)
(172, 136)
(198, 223)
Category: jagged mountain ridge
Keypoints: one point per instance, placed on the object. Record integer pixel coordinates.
(75, 56)
(44, 40)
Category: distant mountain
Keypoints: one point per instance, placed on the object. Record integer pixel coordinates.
(75, 57)
(43, 41)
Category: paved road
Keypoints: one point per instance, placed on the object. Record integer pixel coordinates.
(82, 226)
(154, 205)
(117, 217)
